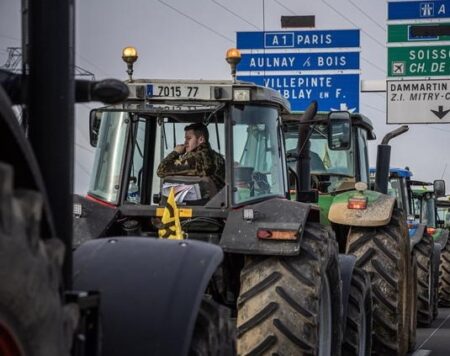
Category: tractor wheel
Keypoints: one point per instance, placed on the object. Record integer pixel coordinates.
(444, 277)
(423, 251)
(413, 310)
(32, 319)
(436, 264)
(214, 332)
(358, 330)
(384, 253)
(292, 305)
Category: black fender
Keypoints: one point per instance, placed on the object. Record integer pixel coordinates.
(95, 219)
(442, 238)
(240, 233)
(418, 234)
(150, 290)
(346, 266)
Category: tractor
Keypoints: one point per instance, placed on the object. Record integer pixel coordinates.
(443, 216)
(40, 312)
(425, 209)
(367, 223)
(281, 282)
(425, 249)
(443, 207)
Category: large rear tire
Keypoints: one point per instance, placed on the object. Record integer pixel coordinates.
(423, 251)
(437, 260)
(292, 305)
(384, 252)
(358, 330)
(214, 332)
(444, 277)
(413, 305)
(32, 318)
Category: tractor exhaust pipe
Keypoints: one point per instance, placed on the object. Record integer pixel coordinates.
(384, 159)
(304, 159)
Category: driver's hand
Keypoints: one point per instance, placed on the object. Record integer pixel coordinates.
(180, 149)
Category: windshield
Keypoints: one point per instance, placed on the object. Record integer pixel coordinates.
(424, 208)
(105, 178)
(444, 216)
(258, 168)
(170, 134)
(338, 165)
(394, 190)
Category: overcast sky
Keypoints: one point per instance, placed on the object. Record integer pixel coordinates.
(188, 39)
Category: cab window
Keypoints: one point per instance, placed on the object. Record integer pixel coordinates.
(257, 166)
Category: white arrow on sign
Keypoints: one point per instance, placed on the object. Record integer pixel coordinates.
(343, 107)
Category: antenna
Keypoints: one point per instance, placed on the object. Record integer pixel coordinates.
(14, 64)
(444, 170)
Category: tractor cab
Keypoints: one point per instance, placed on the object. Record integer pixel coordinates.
(132, 138)
(443, 212)
(398, 187)
(424, 203)
(335, 164)
(333, 167)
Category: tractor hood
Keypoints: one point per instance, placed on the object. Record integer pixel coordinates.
(378, 212)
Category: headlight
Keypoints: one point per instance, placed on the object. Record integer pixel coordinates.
(241, 95)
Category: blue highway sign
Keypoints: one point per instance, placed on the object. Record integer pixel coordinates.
(332, 92)
(298, 39)
(418, 10)
(298, 61)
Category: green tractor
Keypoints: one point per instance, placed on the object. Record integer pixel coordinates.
(281, 282)
(367, 224)
(425, 209)
(443, 212)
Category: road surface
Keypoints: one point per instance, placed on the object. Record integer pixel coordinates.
(435, 340)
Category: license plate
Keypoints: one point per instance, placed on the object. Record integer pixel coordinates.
(178, 91)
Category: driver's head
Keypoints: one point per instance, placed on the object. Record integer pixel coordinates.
(195, 135)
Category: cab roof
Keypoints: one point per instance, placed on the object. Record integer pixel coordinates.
(357, 119)
(395, 172)
(206, 91)
(401, 172)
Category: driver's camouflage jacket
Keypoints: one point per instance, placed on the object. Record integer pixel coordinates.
(203, 161)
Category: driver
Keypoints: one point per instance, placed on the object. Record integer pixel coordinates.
(194, 158)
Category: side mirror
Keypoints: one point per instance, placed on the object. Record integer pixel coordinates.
(339, 130)
(439, 188)
(94, 126)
